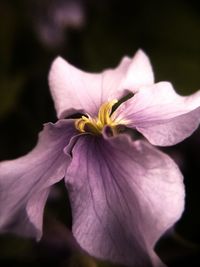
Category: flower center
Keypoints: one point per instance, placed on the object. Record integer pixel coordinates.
(96, 125)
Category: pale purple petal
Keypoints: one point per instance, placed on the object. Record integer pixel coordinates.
(136, 72)
(124, 196)
(26, 181)
(139, 73)
(161, 115)
(74, 90)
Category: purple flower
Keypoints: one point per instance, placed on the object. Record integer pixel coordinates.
(53, 19)
(124, 192)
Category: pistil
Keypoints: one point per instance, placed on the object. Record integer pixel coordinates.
(96, 125)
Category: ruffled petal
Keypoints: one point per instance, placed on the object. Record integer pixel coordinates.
(26, 181)
(74, 90)
(139, 73)
(124, 196)
(161, 115)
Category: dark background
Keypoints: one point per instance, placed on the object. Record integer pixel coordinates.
(93, 35)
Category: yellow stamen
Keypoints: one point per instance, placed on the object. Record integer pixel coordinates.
(96, 125)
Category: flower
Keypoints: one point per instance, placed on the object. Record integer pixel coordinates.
(124, 192)
(52, 19)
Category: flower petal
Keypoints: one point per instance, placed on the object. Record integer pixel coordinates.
(25, 182)
(74, 90)
(161, 115)
(124, 196)
(139, 73)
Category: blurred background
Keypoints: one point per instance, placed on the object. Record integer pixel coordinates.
(93, 35)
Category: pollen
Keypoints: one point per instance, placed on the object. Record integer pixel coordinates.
(96, 125)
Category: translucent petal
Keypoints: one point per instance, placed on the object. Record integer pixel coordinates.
(124, 196)
(74, 90)
(161, 115)
(25, 182)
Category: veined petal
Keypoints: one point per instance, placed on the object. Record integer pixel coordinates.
(74, 90)
(25, 182)
(161, 115)
(124, 196)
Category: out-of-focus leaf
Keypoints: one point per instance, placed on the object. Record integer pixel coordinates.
(8, 31)
(78, 260)
(13, 247)
(84, 260)
(10, 89)
(175, 250)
